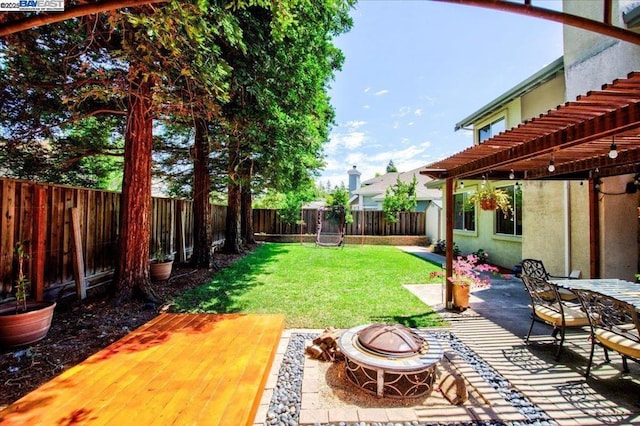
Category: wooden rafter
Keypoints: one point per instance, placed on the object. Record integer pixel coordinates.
(577, 135)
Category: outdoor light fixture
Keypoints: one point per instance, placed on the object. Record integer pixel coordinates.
(517, 186)
(484, 181)
(597, 184)
(552, 167)
(461, 184)
(613, 150)
(512, 174)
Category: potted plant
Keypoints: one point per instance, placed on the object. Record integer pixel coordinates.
(27, 321)
(491, 198)
(469, 274)
(160, 267)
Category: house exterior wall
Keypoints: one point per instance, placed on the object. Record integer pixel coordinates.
(562, 243)
(506, 250)
(548, 95)
(503, 250)
(592, 59)
(618, 229)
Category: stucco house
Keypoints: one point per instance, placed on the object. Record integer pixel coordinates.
(580, 218)
(370, 194)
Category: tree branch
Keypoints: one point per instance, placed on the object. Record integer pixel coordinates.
(71, 12)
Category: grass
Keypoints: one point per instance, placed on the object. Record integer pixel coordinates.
(319, 287)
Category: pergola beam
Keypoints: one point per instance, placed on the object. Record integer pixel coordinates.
(527, 9)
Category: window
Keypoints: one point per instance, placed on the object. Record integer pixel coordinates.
(512, 223)
(464, 214)
(491, 129)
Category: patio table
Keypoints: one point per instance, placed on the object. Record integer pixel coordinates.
(625, 291)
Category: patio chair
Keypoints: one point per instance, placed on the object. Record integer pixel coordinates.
(535, 268)
(614, 325)
(548, 306)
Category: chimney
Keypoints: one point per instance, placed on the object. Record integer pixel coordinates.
(354, 180)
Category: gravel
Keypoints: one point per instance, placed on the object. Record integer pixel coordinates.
(284, 408)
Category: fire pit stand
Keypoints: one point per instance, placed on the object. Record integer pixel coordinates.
(391, 360)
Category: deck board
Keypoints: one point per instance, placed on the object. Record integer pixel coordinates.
(176, 369)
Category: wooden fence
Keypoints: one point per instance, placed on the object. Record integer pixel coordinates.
(53, 219)
(268, 221)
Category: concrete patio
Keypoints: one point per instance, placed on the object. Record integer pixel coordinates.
(494, 328)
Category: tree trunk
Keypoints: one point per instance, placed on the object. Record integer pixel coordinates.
(246, 211)
(202, 236)
(232, 243)
(132, 272)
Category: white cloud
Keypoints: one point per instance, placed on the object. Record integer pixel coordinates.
(402, 112)
(353, 140)
(355, 124)
(366, 107)
(381, 92)
(347, 137)
(367, 89)
(418, 112)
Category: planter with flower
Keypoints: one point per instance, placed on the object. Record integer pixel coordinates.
(469, 274)
(26, 321)
(490, 198)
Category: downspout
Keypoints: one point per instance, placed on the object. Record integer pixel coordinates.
(567, 228)
(449, 242)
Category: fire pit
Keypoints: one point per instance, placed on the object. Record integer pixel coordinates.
(391, 360)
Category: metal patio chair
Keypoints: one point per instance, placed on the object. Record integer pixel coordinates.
(548, 306)
(535, 268)
(614, 325)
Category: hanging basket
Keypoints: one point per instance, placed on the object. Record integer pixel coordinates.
(488, 204)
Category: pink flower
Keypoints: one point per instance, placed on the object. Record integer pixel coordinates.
(467, 271)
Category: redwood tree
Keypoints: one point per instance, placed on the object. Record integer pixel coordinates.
(132, 271)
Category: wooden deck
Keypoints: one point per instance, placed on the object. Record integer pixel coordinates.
(176, 369)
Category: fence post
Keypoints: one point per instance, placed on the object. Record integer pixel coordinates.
(181, 249)
(78, 259)
(38, 254)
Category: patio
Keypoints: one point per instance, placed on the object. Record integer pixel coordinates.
(544, 391)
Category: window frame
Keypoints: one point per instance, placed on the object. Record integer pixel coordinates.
(466, 210)
(490, 128)
(515, 193)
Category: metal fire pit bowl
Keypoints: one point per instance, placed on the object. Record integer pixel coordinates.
(391, 360)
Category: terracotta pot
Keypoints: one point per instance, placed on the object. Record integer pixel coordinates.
(488, 204)
(161, 271)
(25, 327)
(461, 294)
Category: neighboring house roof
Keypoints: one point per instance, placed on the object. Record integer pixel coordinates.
(315, 204)
(377, 186)
(545, 74)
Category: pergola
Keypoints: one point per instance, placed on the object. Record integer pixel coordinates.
(578, 138)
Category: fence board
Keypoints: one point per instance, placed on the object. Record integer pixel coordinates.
(99, 217)
(369, 222)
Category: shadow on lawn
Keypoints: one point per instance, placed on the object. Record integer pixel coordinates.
(217, 296)
(427, 319)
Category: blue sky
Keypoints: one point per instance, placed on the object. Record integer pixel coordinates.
(413, 69)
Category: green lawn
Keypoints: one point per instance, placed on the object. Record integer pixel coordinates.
(319, 287)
